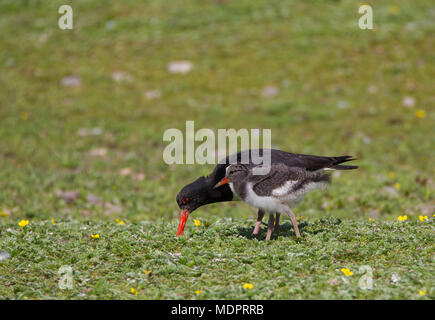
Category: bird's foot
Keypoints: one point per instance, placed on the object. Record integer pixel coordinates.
(298, 234)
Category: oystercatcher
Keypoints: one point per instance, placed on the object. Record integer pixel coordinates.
(203, 190)
(278, 191)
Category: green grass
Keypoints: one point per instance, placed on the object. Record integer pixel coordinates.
(218, 257)
(318, 59)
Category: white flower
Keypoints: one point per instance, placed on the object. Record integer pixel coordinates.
(408, 102)
(182, 67)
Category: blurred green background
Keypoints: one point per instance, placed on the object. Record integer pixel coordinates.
(83, 111)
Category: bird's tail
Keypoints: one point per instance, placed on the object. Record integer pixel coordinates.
(337, 166)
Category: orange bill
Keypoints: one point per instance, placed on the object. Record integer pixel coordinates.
(222, 182)
(183, 218)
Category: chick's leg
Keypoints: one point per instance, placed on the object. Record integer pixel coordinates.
(259, 219)
(293, 219)
(270, 226)
(277, 223)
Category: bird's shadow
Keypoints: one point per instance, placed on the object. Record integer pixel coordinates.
(285, 230)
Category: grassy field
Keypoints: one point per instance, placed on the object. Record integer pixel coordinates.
(82, 116)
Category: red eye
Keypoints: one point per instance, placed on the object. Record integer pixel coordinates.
(185, 200)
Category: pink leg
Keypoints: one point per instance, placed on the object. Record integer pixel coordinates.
(259, 219)
(293, 219)
(270, 226)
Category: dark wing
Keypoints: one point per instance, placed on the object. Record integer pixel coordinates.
(310, 162)
(306, 161)
(279, 174)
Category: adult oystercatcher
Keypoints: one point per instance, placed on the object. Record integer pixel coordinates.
(202, 191)
(278, 191)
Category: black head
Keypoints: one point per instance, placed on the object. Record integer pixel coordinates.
(193, 195)
(199, 193)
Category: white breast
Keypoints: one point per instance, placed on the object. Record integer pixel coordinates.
(281, 195)
(269, 204)
(235, 195)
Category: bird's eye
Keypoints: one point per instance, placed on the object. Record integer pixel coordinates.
(185, 200)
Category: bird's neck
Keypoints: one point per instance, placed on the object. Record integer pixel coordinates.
(220, 194)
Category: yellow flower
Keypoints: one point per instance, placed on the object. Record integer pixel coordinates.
(397, 186)
(420, 114)
(199, 291)
(422, 292)
(197, 222)
(371, 219)
(402, 218)
(95, 236)
(423, 218)
(120, 222)
(52, 222)
(391, 175)
(346, 272)
(3, 214)
(394, 9)
(133, 291)
(24, 115)
(147, 272)
(248, 286)
(23, 223)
